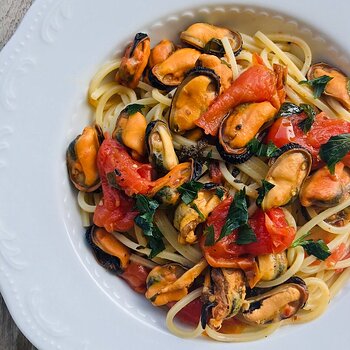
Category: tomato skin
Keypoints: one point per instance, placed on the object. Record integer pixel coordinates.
(286, 130)
(191, 313)
(272, 231)
(135, 275)
(215, 173)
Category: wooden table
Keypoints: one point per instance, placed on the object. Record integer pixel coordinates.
(11, 13)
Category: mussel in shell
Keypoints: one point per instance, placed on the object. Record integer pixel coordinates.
(226, 293)
(240, 126)
(161, 52)
(207, 37)
(109, 252)
(323, 189)
(194, 95)
(277, 304)
(170, 73)
(273, 265)
(134, 61)
(160, 146)
(338, 87)
(81, 158)
(287, 174)
(188, 216)
(130, 129)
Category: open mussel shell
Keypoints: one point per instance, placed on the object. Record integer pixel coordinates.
(134, 61)
(246, 122)
(94, 236)
(160, 146)
(338, 87)
(207, 38)
(171, 72)
(276, 304)
(192, 98)
(81, 158)
(287, 174)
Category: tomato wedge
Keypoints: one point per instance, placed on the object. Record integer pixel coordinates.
(257, 84)
(135, 275)
(191, 313)
(272, 230)
(286, 130)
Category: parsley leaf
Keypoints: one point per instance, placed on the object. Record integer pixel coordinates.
(261, 149)
(237, 214)
(306, 124)
(318, 248)
(189, 191)
(263, 190)
(245, 235)
(287, 109)
(194, 206)
(334, 150)
(219, 191)
(147, 207)
(134, 108)
(155, 242)
(209, 236)
(318, 84)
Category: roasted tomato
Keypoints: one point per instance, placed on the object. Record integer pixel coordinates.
(286, 130)
(191, 313)
(271, 228)
(135, 275)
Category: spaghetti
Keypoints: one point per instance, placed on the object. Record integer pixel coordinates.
(170, 245)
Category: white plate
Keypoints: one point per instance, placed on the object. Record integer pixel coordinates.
(56, 292)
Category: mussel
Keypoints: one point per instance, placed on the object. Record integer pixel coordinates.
(134, 61)
(160, 146)
(338, 87)
(287, 174)
(323, 189)
(206, 37)
(170, 282)
(196, 92)
(81, 159)
(220, 67)
(240, 126)
(161, 52)
(226, 293)
(109, 252)
(170, 73)
(277, 304)
(273, 265)
(188, 216)
(130, 129)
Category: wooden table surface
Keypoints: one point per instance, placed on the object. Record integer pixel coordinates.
(11, 13)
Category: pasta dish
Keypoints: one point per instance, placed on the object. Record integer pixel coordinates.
(215, 177)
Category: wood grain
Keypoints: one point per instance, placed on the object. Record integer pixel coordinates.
(11, 14)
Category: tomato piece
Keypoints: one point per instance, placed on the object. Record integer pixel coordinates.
(271, 228)
(191, 313)
(135, 275)
(215, 173)
(286, 130)
(256, 84)
(338, 254)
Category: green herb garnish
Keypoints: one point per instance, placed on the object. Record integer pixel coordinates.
(194, 206)
(219, 191)
(334, 150)
(261, 149)
(237, 214)
(263, 190)
(310, 112)
(318, 84)
(245, 235)
(287, 109)
(189, 191)
(318, 248)
(209, 236)
(134, 108)
(147, 208)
